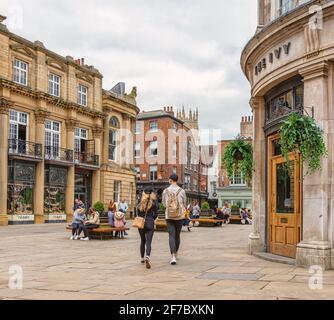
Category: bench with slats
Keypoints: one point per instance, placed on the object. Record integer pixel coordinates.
(104, 232)
(205, 222)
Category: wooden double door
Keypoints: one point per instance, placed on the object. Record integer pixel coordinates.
(284, 201)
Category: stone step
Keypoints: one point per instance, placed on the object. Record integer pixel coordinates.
(275, 258)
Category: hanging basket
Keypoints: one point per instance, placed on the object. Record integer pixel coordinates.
(238, 156)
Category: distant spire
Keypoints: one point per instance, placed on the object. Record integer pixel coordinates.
(183, 113)
(197, 114)
(190, 115)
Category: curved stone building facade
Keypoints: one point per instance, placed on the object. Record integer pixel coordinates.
(290, 66)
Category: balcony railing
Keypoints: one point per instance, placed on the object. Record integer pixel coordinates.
(54, 153)
(83, 158)
(24, 148)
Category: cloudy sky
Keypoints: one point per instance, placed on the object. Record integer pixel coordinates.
(177, 52)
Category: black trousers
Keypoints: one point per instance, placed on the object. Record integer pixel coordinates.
(174, 228)
(146, 236)
(85, 228)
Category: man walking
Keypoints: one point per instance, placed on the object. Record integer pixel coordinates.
(174, 200)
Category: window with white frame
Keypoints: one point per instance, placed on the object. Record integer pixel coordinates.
(237, 179)
(82, 95)
(52, 138)
(117, 191)
(18, 131)
(112, 144)
(137, 169)
(137, 150)
(153, 148)
(54, 85)
(195, 184)
(20, 72)
(174, 150)
(174, 126)
(187, 180)
(154, 126)
(80, 142)
(138, 127)
(153, 173)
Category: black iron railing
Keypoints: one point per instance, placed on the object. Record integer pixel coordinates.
(86, 158)
(54, 153)
(25, 148)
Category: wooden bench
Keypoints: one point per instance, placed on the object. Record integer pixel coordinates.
(207, 222)
(104, 232)
(160, 223)
(235, 219)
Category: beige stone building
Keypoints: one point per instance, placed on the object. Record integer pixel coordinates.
(290, 66)
(60, 134)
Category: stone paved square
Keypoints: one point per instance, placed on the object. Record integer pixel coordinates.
(213, 264)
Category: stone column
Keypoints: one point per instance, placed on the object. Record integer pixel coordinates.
(40, 116)
(315, 248)
(4, 120)
(96, 183)
(257, 237)
(69, 196)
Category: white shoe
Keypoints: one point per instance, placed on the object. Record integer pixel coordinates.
(72, 238)
(173, 261)
(76, 238)
(84, 239)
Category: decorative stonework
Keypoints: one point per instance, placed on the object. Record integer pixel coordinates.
(38, 95)
(97, 132)
(56, 64)
(315, 71)
(84, 77)
(71, 124)
(256, 102)
(312, 38)
(5, 105)
(41, 115)
(23, 50)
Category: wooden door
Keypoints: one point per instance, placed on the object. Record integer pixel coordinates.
(284, 205)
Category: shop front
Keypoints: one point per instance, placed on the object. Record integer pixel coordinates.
(21, 182)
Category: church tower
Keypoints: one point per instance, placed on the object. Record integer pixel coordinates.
(191, 121)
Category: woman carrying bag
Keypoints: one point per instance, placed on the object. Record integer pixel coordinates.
(147, 214)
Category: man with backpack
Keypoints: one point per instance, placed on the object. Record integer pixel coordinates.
(174, 200)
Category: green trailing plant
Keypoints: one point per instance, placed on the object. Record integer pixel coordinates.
(205, 206)
(301, 133)
(99, 207)
(238, 157)
(162, 207)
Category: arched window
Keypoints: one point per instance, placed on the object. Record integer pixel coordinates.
(114, 122)
(113, 134)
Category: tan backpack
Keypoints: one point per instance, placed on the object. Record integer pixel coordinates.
(173, 206)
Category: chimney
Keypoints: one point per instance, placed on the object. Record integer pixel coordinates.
(80, 62)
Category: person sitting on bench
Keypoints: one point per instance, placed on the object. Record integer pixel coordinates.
(92, 223)
(219, 216)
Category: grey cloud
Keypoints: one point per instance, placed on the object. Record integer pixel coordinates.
(176, 52)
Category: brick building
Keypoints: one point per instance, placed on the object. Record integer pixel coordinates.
(235, 189)
(165, 144)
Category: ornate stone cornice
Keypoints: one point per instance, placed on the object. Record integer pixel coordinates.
(315, 71)
(97, 132)
(71, 124)
(5, 105)
(39, 95)
(41, 115)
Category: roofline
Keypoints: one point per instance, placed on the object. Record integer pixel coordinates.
(91, 70)
(158, 117)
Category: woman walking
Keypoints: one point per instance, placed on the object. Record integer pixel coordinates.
(147, 209)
